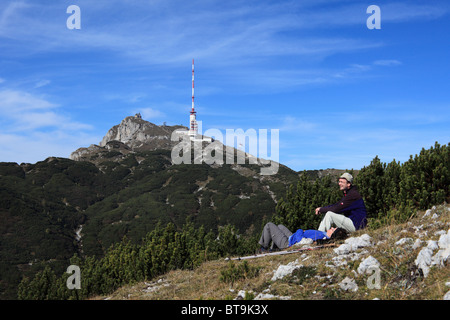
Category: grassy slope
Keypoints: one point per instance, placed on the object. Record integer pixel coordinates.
(400, 278)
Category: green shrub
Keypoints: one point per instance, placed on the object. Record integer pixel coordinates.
(242, 271)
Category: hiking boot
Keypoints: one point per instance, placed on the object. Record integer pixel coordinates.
(264, 250)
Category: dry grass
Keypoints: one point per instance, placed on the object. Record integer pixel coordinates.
(400, 279)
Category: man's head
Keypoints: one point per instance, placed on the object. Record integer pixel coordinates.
(345, 181)
(337, 233)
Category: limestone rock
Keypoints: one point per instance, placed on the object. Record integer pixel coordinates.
(140, 134)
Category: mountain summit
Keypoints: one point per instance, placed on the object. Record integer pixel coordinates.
(140, 134)
(131, 135)
(136, 135)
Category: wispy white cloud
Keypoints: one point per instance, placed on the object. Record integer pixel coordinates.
(129, 98)
(350, 13)
(273, 80)
(33, 128)
(152, 114)
(21, 111)
(42, 83)
(398, 12)
(158, 31)
(16, 102)
(242, 35)
(387, 63)
(37, 146)
(293, 124)
(9, 11)
(154, 32)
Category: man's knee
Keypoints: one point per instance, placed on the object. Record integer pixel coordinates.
(330, 214)
(269, 225)
(333, 217)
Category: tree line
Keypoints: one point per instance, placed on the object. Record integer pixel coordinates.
(392, 192)
(160, 251)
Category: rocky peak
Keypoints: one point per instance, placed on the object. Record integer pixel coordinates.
(137, 133)
(132, 134)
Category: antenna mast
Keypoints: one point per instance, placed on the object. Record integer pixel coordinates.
(193, 85)
(192, 118)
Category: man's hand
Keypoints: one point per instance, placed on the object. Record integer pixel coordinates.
(317, 210)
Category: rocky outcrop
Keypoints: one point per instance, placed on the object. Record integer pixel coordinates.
(82, 153)
(131, 135)
(139, 134)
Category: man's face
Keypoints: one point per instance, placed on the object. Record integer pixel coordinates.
(344, 184)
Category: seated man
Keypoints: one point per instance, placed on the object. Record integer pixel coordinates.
(349, 213)
(281, 237)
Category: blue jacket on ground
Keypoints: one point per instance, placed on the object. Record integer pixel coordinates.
(312, 234)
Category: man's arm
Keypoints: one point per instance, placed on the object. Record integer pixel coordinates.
(341, 205)
(326, 208)
(338, 206)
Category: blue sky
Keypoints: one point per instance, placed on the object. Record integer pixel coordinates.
(339, 93)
